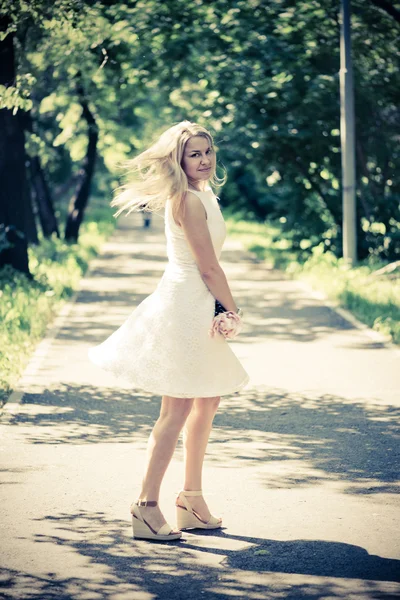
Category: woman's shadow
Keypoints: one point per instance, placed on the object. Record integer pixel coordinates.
(305, 557)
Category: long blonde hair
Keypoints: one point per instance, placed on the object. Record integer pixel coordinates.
(156, 174)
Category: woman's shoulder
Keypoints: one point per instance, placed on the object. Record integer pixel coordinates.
(205, 197)
(193, 196)
(208, 192)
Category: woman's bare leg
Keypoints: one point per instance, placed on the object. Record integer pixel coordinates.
(195, 438)
(160, 448)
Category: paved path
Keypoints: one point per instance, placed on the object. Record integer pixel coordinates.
(302, 465)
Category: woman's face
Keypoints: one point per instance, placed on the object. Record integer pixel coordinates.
(198, 160)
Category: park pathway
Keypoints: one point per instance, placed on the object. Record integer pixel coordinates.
(302, 465)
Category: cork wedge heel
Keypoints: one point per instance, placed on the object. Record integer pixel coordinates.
(187, 518)
(142, 530)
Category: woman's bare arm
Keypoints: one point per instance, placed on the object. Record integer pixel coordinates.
(195, 228)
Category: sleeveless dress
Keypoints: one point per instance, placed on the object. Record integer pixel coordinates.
(164, 346)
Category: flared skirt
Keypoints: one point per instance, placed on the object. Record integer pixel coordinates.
(164, 346)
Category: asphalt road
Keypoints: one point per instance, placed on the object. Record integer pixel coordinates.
(303, 465)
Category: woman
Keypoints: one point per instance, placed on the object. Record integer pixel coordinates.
(165, 345)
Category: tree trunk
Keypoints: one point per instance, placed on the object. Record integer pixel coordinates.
(30, 219)
(14, 207)
(44, 202)
(80, 199)
(40, 190)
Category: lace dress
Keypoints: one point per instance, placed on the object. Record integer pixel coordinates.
(164, 346)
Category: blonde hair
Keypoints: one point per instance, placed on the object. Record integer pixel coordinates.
(156, 174)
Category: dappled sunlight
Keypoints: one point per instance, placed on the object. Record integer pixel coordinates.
(131, 267)
(297, 449)
(281, 311)
(130, 270)
(112, 563)
(333, 437)
(85, 414)
(302, 464)
(295, 439)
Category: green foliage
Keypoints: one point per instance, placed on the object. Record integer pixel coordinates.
(28, 306)
(270, 88)
(17, 96)
(373, 300)
(264, 76)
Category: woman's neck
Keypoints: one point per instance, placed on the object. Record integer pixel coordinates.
(199, 186)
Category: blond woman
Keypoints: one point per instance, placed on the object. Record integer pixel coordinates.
(165, 346)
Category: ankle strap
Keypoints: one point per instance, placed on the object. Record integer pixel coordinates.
(191, 493)
(150, 503)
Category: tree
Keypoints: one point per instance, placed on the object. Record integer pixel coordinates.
(14, 203)
(39, 188)
(262, 76)
(79, 201)
(267, 79)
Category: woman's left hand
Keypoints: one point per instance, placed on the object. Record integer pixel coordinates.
(228, 324)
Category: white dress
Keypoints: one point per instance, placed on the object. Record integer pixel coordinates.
(164, 346)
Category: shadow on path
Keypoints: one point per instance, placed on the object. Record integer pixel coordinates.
(332, 437)
(117, 564)
(133, 263)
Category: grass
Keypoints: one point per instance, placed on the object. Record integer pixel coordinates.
(265, 240)
(27, 307)
(374, 300)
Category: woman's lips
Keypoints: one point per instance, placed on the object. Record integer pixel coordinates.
(208, 169)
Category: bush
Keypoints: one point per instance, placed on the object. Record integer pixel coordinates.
(28, 306)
